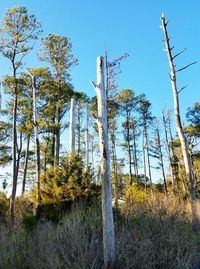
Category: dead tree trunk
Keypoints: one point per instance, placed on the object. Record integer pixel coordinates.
(185, 152)
(107, 213)
(72, 128)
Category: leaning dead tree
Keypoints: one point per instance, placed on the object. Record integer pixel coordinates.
(107, 212)
(184, 146)
(37, 143)
(72, 127)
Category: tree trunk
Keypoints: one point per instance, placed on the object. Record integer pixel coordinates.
(129, 149)
(185, 152)
(37, 143)
(135, 157)
(57, 139)
(164, 120)
(26, 164)
(19, 149)
(107, 213)
(78, 129)
(148, 157)
(14, 134)
(161, 159)
(86, 140)
(72, 128)
(144, 159)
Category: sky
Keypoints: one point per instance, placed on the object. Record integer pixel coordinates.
(131, 26)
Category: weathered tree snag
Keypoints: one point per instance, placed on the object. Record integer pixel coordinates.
(185, 152)
(107, 212)
(72, 128)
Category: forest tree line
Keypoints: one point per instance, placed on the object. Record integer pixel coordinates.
(34, 119)
(42, 103)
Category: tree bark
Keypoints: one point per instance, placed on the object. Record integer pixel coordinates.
(57, 139)
(37, 143)
(135, 156)
(129, 149)
(164, 120)
(26, 164)
(144, 159)
(14, 150)
(148, 156)
(107, 213)
(185, 152)
(86, 140)
(161, 159)
(72, 128)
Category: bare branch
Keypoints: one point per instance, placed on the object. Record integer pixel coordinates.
(182, 88)
(179, 53)
(185, 67)
(94, 84)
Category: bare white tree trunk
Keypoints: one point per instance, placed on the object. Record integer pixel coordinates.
(185, 152)
(107, 212)
(37, 143)
(86, 140)
(72, 128)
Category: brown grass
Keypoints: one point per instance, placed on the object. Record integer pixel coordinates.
(151, 234)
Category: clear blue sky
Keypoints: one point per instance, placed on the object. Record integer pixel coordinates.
(124, 26)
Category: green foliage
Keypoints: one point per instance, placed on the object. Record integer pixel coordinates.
(4, 206)
(18, 28)
(66, 182)
(133, 194)
(5, 138)
(57, 51)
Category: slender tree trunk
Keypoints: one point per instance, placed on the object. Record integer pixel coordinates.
(14, 153)
(26, 163)
(72, 128)
(144, 159)
(86, 140)
(107, 213)
(19, 149)
(161, 159)
(135, 157)
(168, 151)
(57, 139)
(92, 153)
(148, 157)
(78, 129)
(37, 143)
(129, 150)
(187, 161)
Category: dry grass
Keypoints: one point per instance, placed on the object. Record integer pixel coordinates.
(152, 234)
